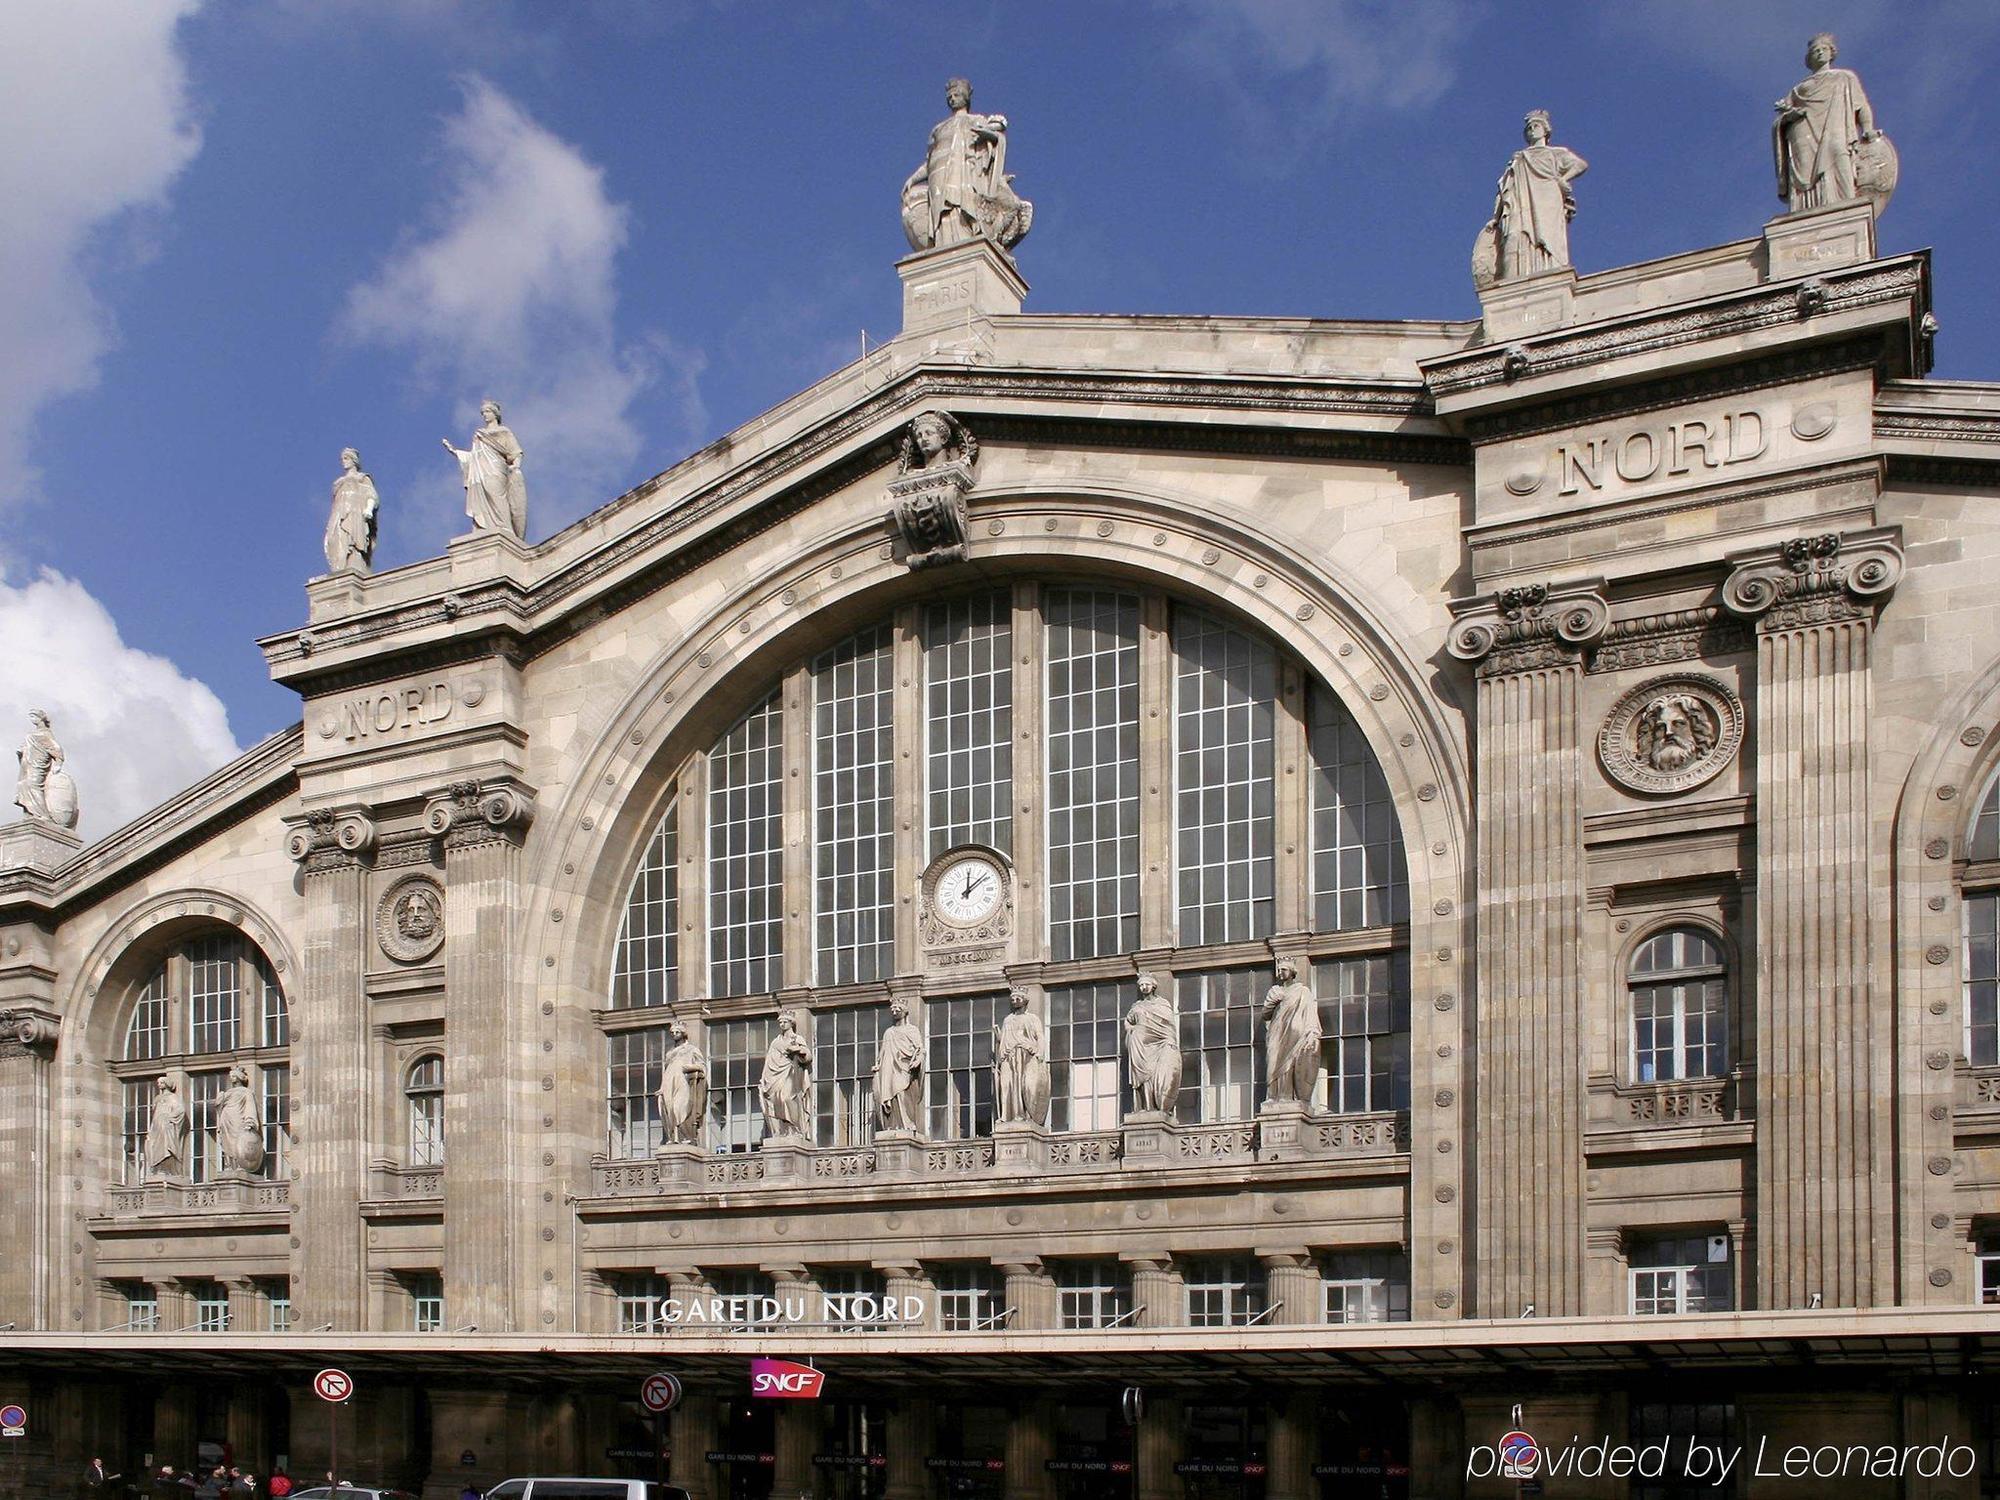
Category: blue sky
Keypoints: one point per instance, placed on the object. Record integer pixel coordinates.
(238, 237)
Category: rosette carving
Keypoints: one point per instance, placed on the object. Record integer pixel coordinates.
(1532, 625)
(1810, 579)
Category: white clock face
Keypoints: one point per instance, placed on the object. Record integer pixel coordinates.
(967, 890)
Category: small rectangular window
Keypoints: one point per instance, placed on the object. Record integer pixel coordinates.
(1982, 979)
(640, 1298)
(1093, 1294)
(211, 1307)
(1683, 1272)
(970, 1297)
(1222, 1292)
(426, 1302)
(1366, 1286)
(278, 1306)
(1989, 1267)
(142, 1309)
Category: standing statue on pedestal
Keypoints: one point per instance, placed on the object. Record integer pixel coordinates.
(1021, 1065)
(43, 790)
(1153, 1048)
(1827, 148)
(1529, 231)
(786, 1086)
(166, 1131)
(239, 1130)
(683, 1090)
(1291, 1039)
(496, 496)
(899, 1072)
(350, 529)
(963, 191)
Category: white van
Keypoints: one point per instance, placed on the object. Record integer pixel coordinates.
(585, 1489)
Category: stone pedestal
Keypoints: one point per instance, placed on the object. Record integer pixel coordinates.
(1149, 1140)
(1019, 1146)
(480, 556)
(31, 844)
(787, 1158)
(1281, 1130)
(680, 1165)
(1527, 305)
(946, 289)
(1820, 239)
(898, 1153)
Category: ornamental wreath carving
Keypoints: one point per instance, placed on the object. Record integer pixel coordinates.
(409, 920)
(1671, 734)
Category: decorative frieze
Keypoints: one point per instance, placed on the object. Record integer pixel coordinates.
(1699, 634)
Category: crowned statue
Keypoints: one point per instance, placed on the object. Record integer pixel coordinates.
(496, 494)
(963, 191)
(1529, 231)
(1824, 139)
(350, 528)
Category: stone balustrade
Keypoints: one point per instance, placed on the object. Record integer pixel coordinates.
(167, 1199)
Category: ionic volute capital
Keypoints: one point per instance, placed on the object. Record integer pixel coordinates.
(1810, 579)
(29, 1029)
(475, 812)
(1531, 625)
(330, 837)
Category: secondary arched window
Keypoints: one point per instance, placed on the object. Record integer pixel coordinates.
(212, 1005)
(423, 1089)
(1679, 987)
(1982, 930)
(1144, 774)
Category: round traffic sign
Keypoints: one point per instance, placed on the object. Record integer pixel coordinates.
(1519, 1455)
(13, 1416)
(332, 1385)
(661, 1391)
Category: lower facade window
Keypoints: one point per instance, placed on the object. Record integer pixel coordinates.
(1364, 1014)
(142, 1309)
(1687, 1272)
(639, 1301)
(1086, 1054)
(747, 1295)
(426, 1302)
(970, 1297)
(632, 1086)
(844, 1073)
(735, 1063)
(1677, 1424)
(1222, 1291)
(211, 1307)
(278, 1306)
(1989, 1267)
(1366, 1286)
(1093, 1294)
(1982, 979)
(852, 1296)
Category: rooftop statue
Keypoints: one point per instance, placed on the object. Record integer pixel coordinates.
(350, 529)
(44, 791)
(963, 191)
(496, 496)
(1529, 230)
(1824, 140)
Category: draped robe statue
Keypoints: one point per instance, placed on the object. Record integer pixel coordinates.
(43, 790)
(1291, 1039)
(1825, 142)
(1021, 1065)
(962, 191)
(1529, 230)
(786, 1086)
(166, 1131)
(350, 528)
(496, 496)
(1153, 1048)
(683, 1090)
(899, 1072)
(239, 1129)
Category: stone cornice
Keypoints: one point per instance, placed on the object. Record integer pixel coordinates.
(1810, 579)
(1531, 626)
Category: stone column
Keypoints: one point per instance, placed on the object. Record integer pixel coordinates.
(488, 1191)
(248, 1423)
(693, 1437)
(1528, 644)
(909, 1443)
(330, 1082)
(173, 1426)
(1031, 1295)
(797, 1436)
(246, 1305)
(1155, 1292)
(1825, 1041)
(1156, 1448)
(903, 1280)
(1292, 1285)
(27, 1264)
(1437, 1446)
(1031, 1443)
(1159, 911)
(1293, 1443)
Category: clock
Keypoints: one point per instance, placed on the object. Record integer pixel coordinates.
(968, 888)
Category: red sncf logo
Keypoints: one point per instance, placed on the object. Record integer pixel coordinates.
(783, 1378)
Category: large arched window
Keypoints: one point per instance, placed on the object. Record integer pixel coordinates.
(1153, 778)
(1680, 1007)
(1982, 930)
(213, 1004)
(423, 1089)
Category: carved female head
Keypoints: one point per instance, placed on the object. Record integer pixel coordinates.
(1287, 971)
(678, 1030)
(958, 93)
(1148, 986)
(1821, 50)
(39, 717)
(489, 411)
(1535, 127)
(350, 458)
(1017, 1000)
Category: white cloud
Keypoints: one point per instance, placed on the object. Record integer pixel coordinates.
(94, 114)
(1328, 60)
(134, 728)
(509, 290)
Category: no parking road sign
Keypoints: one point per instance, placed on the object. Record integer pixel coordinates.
(661, 1392)
(333, 1385)
(13, 1421)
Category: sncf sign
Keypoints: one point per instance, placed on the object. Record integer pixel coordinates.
(784, 1379)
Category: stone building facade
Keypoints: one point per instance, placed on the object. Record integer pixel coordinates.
(1595, 702)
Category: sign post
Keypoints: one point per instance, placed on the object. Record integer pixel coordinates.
(660, 1393)
(333, 1387)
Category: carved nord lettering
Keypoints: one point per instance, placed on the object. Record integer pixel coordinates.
(380, 714)
(1677, 449)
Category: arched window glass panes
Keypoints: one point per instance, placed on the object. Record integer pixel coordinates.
(1982, 931)
(1359, 874)
(969, 689)
(746, 854)
(647, 967)
(1225, 711)
(1086, 1054)
(844, 1044)
(1093, 771)
(214, 1003)
(735, 1062)
(854, 808)
(959, 1071)
(423, 1088)
(1364, 1019)
(1220, 1076)
(1680, 1007)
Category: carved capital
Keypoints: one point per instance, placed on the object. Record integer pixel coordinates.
(469, 813)
(29, 1030)
(330, 838)
(1813, 579)
(1535, 625)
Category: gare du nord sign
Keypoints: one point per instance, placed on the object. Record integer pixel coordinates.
(852, 1311)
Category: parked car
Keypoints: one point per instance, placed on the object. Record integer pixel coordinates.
(585, 1489)
(348, 1491)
